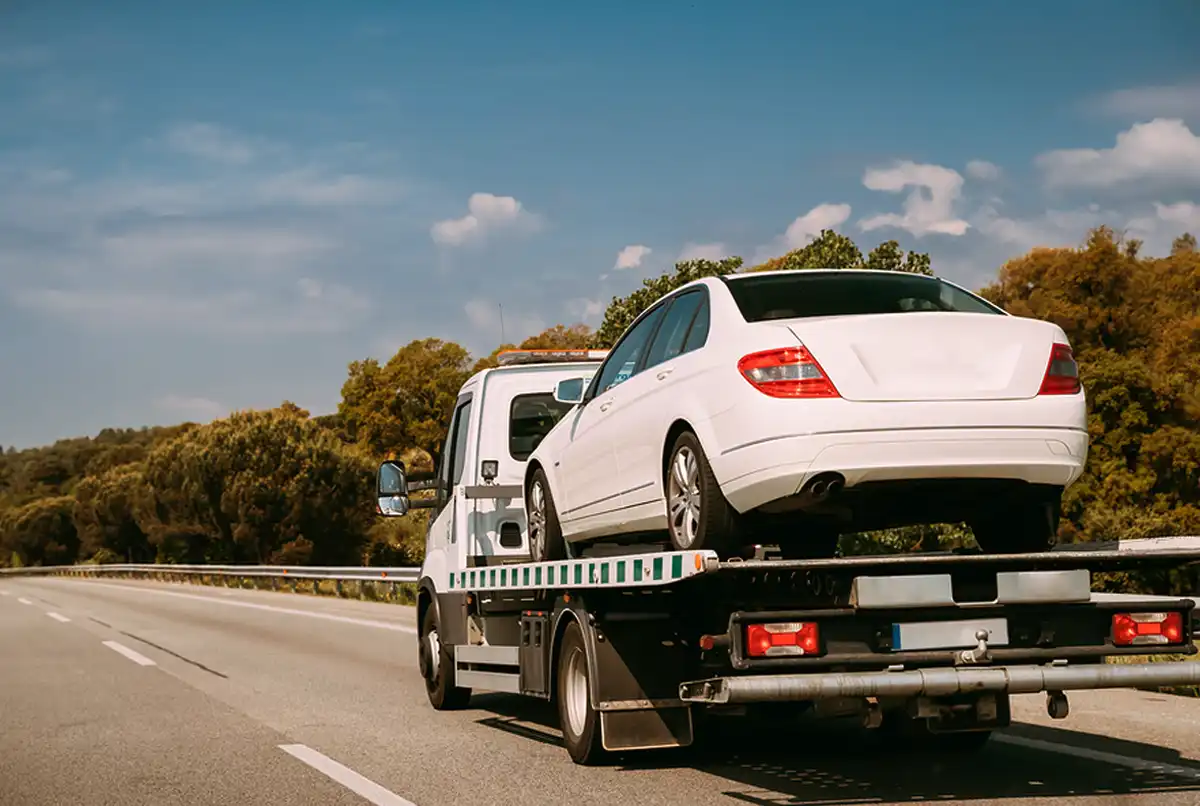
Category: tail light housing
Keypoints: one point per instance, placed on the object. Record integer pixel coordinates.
(790, 372)
(781, 639)
(1139, 629)
(1062, 373)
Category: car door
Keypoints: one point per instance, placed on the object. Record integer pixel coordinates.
(647, 404)
(587, 467)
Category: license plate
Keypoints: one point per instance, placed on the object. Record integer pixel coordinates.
(917, 635)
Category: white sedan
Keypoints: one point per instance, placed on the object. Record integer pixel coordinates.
(788, 408)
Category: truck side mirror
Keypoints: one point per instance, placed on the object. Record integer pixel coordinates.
(570, 390)
(391, 490)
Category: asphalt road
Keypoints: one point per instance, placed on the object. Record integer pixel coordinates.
(143, 693)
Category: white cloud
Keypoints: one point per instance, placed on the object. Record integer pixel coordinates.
(631, 256)
(332, 309)
(703, 251)
(809, 225)
(486, 317)
(928, 208)
(588, 311)
(1170, 101)
(194, 409)
(210, 246)
(1162, 151)
(983, 170)
(486, 213)
(210, 142)
(1053, 228)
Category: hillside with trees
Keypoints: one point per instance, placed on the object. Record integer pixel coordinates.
(284, 487)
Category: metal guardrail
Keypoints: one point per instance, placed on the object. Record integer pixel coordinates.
(277, 572)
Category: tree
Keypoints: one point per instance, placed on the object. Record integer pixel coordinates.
(407, 402)
(831, 250)
(104, 516)
(1184, 244)
(559, 337)
(623, 310)
(41, 532)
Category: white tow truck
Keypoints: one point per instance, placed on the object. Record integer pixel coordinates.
(638, 645)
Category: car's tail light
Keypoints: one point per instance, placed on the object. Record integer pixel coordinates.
(788, 372)
(788, 638)
(1062, 373)
(1133, 629)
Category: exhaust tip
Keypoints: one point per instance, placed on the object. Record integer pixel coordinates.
(834, 486)
(818, 487)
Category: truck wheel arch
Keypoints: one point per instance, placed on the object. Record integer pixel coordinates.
(426, 598)
(565, 616)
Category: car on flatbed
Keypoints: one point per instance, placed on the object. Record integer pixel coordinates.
(812, 404)
(638, 648)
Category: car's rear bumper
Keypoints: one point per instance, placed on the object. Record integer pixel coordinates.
(754, 474)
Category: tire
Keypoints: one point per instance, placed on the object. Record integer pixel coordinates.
(1027, 524)
(698, 516)
(545, 533)
(580, 722)
(443, 694)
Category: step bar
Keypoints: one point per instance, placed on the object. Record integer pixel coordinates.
(937, 682)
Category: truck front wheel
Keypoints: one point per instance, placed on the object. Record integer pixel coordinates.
(579, 720)
(437, 667)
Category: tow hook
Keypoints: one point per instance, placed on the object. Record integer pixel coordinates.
(1057, 706)
(980, 654)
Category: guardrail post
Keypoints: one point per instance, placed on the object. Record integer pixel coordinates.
(337, 587)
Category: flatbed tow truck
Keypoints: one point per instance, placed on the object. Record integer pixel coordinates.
(637, 646)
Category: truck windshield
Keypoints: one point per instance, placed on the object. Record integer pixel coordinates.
(807, 293)
(530, 418)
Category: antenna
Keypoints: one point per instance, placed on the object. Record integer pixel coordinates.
(501, 307)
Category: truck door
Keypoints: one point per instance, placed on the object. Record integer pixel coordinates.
(446, 531)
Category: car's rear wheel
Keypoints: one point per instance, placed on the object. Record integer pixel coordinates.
(698, 516)
(545, 533)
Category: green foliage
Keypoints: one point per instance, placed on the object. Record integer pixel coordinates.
(831, 250)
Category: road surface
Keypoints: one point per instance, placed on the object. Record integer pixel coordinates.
(118, 692)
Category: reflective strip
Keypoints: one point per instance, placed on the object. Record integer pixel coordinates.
(608, 572)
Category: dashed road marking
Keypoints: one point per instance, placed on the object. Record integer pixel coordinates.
(23, 600)
(58, 617)
(345, 776)
(136, 657)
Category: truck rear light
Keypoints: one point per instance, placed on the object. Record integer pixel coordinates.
(1062, 373)
(1134, 629)
(788, 372)
(788, 638)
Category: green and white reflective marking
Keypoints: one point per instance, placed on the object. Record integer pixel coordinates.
(608, 572)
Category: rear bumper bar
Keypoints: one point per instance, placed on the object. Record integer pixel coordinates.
(937, 682)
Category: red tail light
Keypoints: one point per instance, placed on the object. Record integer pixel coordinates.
(789, 372)
(1133, 629)
(789, 638)
(1062, 373)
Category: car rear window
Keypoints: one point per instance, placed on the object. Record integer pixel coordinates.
(530, 418)
(806, 293)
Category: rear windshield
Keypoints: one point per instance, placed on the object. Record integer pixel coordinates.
(530, 418)
(806, 293)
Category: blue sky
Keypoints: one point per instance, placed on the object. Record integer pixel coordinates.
(206, 207)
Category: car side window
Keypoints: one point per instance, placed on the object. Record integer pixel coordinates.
(669, 341)
(698, 333)
(623, 361)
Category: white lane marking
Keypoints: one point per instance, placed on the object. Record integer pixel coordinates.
(1100, 756)
(58, 617)
(5, 593)
(136, 657)
(345, 776)
(23, 600)
(362, 622)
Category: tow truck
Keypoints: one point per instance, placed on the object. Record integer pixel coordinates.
(638, 646)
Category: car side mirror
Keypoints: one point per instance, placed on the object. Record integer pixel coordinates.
(391, 490)
(570, 390)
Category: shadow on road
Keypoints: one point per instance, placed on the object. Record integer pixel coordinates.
(835, 763)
